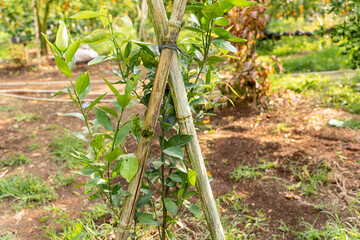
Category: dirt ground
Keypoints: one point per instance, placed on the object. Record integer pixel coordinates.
(293, 134)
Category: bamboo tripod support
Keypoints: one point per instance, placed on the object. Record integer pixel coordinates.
(185, 121)
(152, 113)
(167, 33)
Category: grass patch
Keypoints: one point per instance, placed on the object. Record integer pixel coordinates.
(6, 108)
(290, 45)
(61, 147)
(62, 180)
(27, 117)
(15, 160)
(33, 146)
(26, 189)
(310, 180)
(338, 92)
(251, 172)
(335, 228)
(76, 229)
(8, 235)
(327, 59)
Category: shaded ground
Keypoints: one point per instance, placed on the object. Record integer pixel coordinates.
(291, 136)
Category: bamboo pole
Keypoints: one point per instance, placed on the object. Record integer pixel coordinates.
(151, 116)
(186, 124)
(37, 40)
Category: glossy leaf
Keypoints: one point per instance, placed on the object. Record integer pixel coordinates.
(192, 177)
(92, 183)
(103, 119)
(194, 29)
(124, 100)
(170, 206)
(53, 47)
(110, 157)
(85, 15)
(224, 45)
(178, 140)
(62, 65)
(221, 21)
(75, 114)
(95, 102)
(112, 88)
(103, 17)
(110, 111)
(97, 60)
(95, 36)
(70, 52)
(129, 167)
(82, 82)
(221, 32)
(176, 178)
(177, 152)
(212, 11)
(123, 132)
(147, 218)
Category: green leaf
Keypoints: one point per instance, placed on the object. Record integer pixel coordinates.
(110, 111)
(122, 133)
(235, 39)
(214, 59)
(129, 167)
(194, 209)
(53, 47)
(75, 114)
(143, 200)
(62, 37)
(221, 32)
(104, 20)
(124, 100)
(241, 3)
(176, 178)
(113, 155)
(103, 119)
(70, 52)
(147, 218)
(85, 15)
(92, 183)
(62, 65)
(194, 29)
(170, 206)
(192, 177)
(178, 140)
(80, 136)
(97, 60)
(224, 45)
(112, 88)
(95, 102)
(88, 171)
(221, 21)
(95, 36)
(58, 92)
(177, 152)
(127, 49)
(82, 82)
(212, 11)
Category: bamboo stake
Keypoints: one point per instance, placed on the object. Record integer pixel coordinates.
(151, 116)
(186, 124)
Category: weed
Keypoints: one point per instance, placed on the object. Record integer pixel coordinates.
(15, 160)
(335, 228)
(26, 189)
(7, 235)
(252, 172)
(311, 181)
(6, 108)
(61, 147)
(51, 127)
(33, 146)
(75, 229)
(31, 135)
(27, 117)
(61, 180)
(351, 123)
(280, 128)
(235, 202)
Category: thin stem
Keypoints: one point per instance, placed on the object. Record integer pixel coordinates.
(164, 223)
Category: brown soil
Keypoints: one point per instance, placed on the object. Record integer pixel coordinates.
(294, 134)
